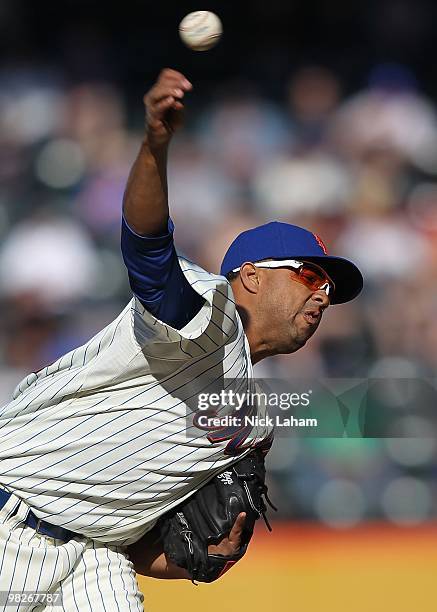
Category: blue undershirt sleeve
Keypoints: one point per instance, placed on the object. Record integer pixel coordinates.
(156, 278)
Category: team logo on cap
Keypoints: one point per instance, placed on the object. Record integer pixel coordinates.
(321, 243)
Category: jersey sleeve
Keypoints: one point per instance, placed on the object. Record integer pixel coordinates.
(156, 278)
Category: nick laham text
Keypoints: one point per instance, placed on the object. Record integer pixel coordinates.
(210, 422)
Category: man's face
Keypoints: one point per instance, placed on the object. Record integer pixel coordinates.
(291, 311)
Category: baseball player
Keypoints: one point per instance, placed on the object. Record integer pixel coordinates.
(94, 448)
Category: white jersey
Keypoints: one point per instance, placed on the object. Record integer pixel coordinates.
(98, 442)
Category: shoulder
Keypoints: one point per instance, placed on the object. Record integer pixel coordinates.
(211, 287)
(216, 322)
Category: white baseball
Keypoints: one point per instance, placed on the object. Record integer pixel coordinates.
(200, 30)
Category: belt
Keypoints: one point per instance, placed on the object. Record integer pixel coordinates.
(40, 526)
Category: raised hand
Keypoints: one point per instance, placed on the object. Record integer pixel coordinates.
(164, 107)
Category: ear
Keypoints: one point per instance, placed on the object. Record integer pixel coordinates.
(249, 276)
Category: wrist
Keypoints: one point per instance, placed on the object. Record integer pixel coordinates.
(157, 150)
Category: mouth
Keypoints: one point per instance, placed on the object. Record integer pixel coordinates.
(312, 317)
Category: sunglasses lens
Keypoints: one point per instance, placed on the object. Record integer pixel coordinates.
(313, 278)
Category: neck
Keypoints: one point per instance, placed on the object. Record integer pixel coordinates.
(259, 348)
(259, 353)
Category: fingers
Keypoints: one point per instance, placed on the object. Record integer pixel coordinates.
(165, 97)
(162, 107)
(232, 544)
(236, 533)
(169, 83)
(161, 91)
(166, 94)
(157, 117)
(170, 75)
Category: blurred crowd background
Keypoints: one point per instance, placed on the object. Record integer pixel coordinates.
(325, 117)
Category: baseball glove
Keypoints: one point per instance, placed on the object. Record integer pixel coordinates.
(208, 516)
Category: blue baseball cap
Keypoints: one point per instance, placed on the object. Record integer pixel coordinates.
(276, 240)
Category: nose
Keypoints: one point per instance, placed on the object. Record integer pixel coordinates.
(321, 298)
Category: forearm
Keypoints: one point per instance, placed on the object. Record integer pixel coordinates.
(161, 568)
(149, 559)
(145, 202)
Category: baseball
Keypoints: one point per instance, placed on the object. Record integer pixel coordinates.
(200, 30)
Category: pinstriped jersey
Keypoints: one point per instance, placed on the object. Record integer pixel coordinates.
(101, 441)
